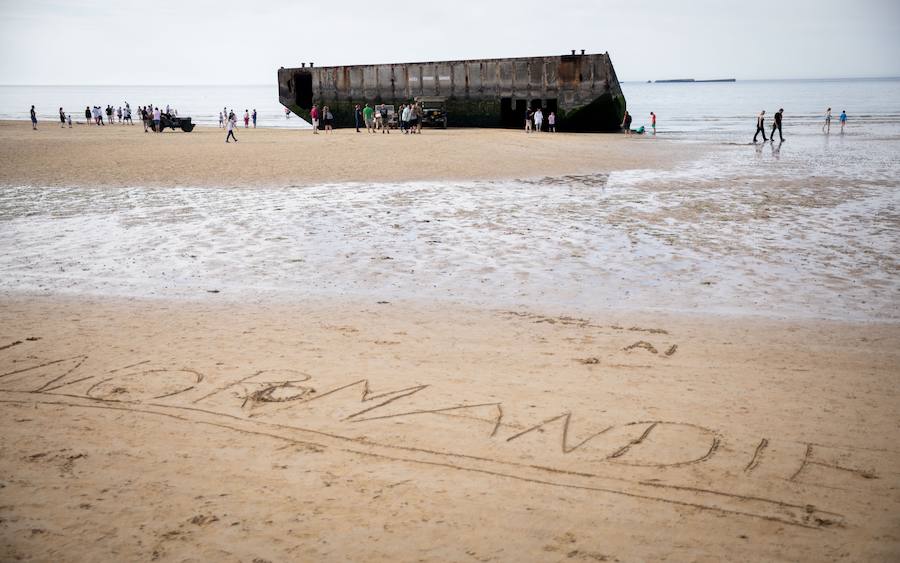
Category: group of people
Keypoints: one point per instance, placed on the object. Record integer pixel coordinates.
(776, 124)
(325, 116)
(91, 115)
(379, 118)
(534, 121)
(826, 127)
(626, 125)
(227, 116)
(96, 113)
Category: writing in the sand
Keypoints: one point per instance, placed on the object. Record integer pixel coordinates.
(580, 445)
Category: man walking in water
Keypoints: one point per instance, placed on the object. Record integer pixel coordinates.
(826, 127)
(33, 119)
(760, 126)
(776, 124)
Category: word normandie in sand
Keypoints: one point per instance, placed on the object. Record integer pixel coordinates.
(652, 460)
(582, 89)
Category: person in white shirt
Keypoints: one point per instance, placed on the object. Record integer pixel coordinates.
(156, 117)
(538, 120)
(231, 124)
(826, 127)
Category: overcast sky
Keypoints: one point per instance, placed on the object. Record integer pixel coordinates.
(224, 42)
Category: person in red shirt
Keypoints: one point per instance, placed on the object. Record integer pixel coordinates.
(314, 116)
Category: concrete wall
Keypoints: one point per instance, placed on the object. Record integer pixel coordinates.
(473, 88)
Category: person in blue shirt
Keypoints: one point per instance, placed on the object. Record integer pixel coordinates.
(843, 120)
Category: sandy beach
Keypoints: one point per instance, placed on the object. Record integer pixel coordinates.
(563, 348)
(121, 155)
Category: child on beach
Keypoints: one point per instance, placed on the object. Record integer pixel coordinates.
(826, 127)
(843, 120)
(246, 119)
(69, 120)
(551, 121)
(653, 122)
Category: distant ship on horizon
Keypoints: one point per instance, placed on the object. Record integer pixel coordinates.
(694, 80)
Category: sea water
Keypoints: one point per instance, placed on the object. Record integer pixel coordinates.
(805, 228)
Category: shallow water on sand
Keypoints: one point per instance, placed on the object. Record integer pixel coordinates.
(789, 232)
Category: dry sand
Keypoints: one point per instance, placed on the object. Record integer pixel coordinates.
(406, 432)
(121, 155)
(344, 429)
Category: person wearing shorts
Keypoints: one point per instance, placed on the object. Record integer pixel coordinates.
(843, 120)
(369, 118)
(826, 127)
(314, 117)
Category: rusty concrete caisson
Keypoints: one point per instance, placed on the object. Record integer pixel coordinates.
(582, 89)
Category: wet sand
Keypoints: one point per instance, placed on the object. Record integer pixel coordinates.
(121, 155)
(577, 348)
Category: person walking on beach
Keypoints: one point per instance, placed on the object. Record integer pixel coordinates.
(119, 114)
(253, 116)
(357, 116)
(551, 122)
(145, 118)
(369, 118)
(232, 123)
(221, 120)
(626, 123)
(404, 118)
(776, 124)
(653, 122)
(128, 114)
(62, 118)
(760, 126)
(87, 115)
(538, 120)
(246, 119)
(843, 120)
(156, 119)
(314, 117)
(826, 127)
(528, 116)
(33, 119)
(69, 120)
(385, 125)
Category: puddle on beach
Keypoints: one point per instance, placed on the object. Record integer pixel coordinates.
(737, 232)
